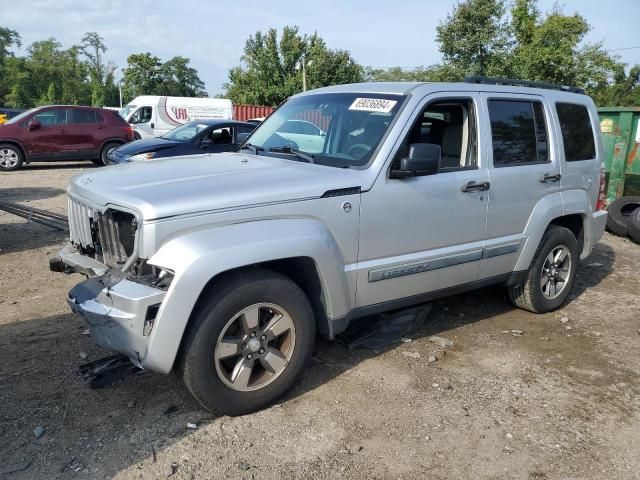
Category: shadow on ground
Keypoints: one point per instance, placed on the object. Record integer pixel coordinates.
(21, 235)
(26, 194)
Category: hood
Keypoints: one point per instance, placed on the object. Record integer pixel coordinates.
(199, 183)
(8, 129)
(146, 145)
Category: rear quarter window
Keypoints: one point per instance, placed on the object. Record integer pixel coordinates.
(577, 132)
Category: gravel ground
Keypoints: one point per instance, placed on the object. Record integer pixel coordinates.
(559, 400)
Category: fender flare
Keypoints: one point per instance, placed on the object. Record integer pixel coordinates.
(199, 256)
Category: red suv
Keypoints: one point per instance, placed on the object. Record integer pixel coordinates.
(61, 133)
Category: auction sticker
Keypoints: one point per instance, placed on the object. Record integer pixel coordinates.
(381, 105)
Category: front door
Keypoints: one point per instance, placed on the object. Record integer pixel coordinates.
(524, 169)
(423, 234)
(142, 122)
(50, 140)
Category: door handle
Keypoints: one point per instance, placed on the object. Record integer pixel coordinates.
(101, 127)
(476, 186)
(548, 178)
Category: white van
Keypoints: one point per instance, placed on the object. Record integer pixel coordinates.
(153, 116)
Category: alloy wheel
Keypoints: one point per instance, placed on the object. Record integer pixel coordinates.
(556, 272)
(255, 347)
(8, 158)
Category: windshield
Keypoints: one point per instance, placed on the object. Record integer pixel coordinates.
(126, 111)
(185, 132)
(335, 129)
(20, 117)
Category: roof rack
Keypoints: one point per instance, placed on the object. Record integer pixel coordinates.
(521, 83)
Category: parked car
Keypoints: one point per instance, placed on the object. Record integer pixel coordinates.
(153, 116)
(8, 114)
(225, 271)
(61, 133)
(205, 136)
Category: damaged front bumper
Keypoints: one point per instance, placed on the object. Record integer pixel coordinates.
(120, 312)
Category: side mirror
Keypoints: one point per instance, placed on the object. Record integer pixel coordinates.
(34, 124)
(423, 159)
(206, 142)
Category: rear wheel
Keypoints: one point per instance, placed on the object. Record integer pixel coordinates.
(551, 274)
(11, 157)
(106, 150)
(249, 342)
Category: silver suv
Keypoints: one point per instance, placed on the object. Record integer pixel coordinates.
(225, 267)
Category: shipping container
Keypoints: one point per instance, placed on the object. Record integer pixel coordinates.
(247, 112)
(620, 128)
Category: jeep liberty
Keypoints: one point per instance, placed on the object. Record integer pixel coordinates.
(224, 270)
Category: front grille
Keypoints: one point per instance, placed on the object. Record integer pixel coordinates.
(108, 237)
(80, 217)
(116, 237)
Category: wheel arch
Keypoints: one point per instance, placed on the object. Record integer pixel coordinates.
(300, 249)
(18, 145)
(567, 209)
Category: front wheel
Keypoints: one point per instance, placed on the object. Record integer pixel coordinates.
(248, 343)
(11, 157)
(551, 274)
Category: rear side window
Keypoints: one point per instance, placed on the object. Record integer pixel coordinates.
(577, 132)
(83, 116)
(518, 133)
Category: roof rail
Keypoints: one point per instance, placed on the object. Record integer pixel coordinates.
(521, 83)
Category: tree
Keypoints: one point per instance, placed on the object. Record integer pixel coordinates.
(475, 39)
(147, 75)
(92, 47)
(8, 39)
(181, 80)
(271, 67)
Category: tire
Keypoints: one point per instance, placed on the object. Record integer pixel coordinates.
(97, 161)
(105, 152)
(619, 211)
(11, 157)
(529, 294)
(215, 371)
(633, 225)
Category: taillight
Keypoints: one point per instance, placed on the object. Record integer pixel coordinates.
(601, 204)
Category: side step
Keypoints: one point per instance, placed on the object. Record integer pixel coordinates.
(105, 371)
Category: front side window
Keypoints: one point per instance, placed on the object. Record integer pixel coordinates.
(52, 116)
(143, 115)
(518, 133)
(451, 125)
(577, 132)
(335, 129)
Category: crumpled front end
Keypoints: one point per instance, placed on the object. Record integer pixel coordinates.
(122, 295)
(120, 312)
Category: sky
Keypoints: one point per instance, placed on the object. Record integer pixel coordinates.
(379, 33)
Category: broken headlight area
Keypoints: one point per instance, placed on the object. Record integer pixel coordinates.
(108, 237)
(147, 274)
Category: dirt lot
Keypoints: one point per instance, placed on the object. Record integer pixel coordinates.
(561, 400)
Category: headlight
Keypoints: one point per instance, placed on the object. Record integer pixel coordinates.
(141, 156)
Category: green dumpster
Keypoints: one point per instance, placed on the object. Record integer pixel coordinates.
(620, 128)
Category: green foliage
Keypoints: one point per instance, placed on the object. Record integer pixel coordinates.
(49, 74)
(145, 74)
(271, 67)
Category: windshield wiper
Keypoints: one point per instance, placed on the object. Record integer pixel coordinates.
(251, 146)
(293, 151)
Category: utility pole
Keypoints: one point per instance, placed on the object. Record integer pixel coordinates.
(302, 64)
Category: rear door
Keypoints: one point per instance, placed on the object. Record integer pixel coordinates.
(50, 140)
(84, 131)
(524, 168)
